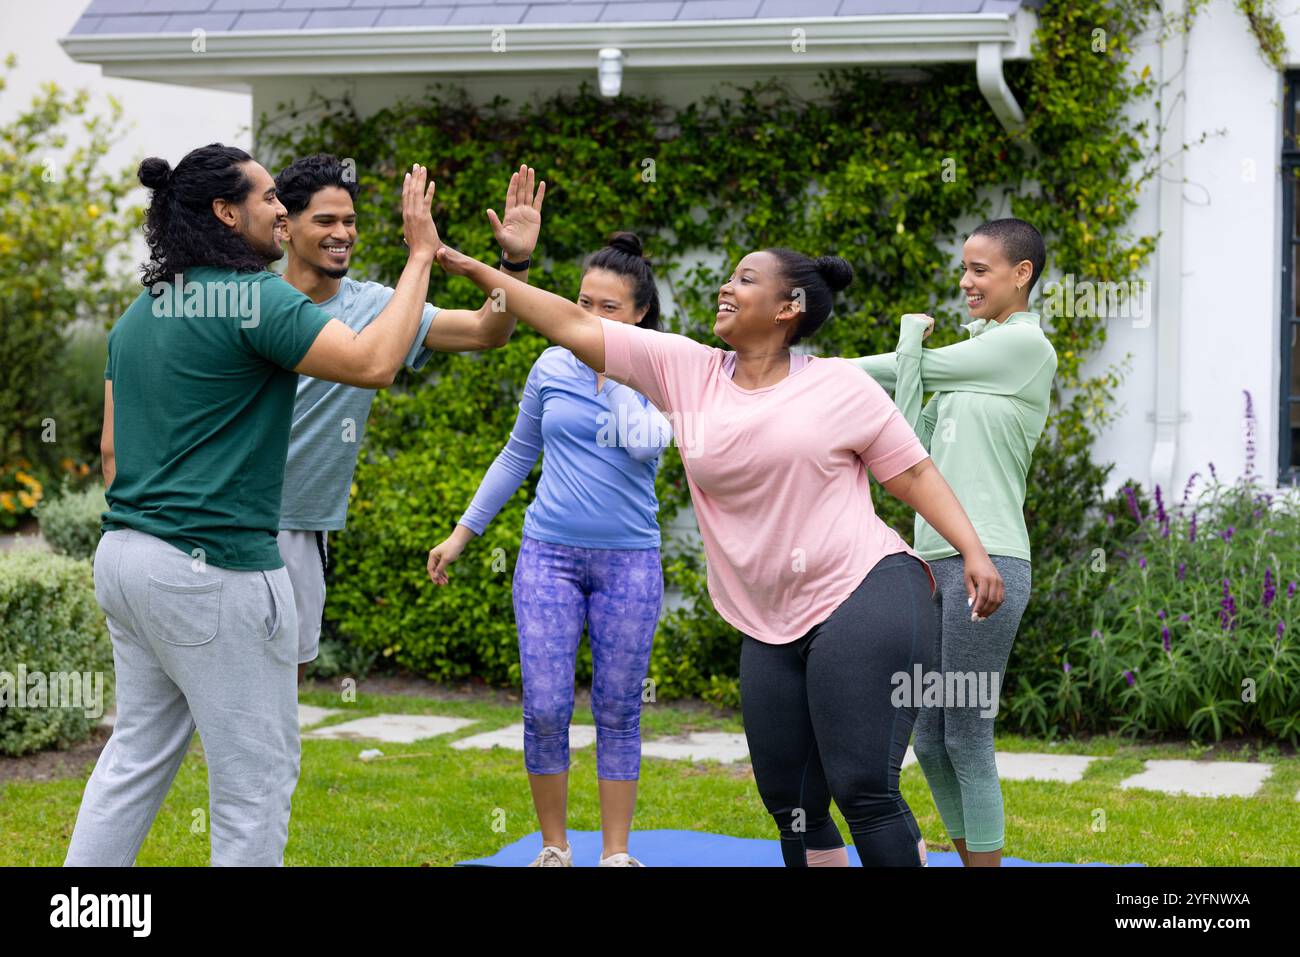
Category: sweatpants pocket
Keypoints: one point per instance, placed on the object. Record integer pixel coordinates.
(184, 614)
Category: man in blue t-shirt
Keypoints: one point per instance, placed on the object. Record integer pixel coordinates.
(329, 419)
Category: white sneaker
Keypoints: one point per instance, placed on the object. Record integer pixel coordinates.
(554, 857)
(620, 860)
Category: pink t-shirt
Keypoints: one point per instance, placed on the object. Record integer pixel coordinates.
(776, 474)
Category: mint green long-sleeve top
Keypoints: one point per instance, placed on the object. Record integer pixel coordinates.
(990, 403)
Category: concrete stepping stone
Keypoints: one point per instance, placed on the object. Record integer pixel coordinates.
(1201, 778)
(396, 728)
(309, 714)
(699, 746)
(1023, 766)
(512, 737)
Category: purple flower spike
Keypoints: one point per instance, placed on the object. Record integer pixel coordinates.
(1160, 505)
(1227, 608)
(1164, 635)
(1269, 590)
(1290, 590)
(1227, 533)
(1182, 570)
(1281, 627)
(1187, 489)
(1213, 474)
(1128, 676)
(1161, 614)
(1142, 563)
(1184, 617)
(1133, 503)
(1191, 529)
(1110, 520)
(1066, 667)
(1096, 633)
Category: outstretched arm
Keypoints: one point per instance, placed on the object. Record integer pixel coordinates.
(881, 367)
(563, 322)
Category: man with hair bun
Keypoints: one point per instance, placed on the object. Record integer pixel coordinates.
(197, 409)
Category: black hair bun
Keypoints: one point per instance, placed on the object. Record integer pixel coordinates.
(626, 242)
(835, 270)
(155, 173)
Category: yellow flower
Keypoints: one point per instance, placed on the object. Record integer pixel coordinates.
(66, 465)
(92, 211)
(25, 479)
(25, 500)
(6, 501)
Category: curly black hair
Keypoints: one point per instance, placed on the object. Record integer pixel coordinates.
(179, 226)
(304, 178)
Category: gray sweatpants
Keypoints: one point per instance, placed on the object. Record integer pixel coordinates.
(193, 646)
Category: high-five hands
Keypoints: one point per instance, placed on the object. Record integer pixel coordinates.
(418, 230)
(517, 232)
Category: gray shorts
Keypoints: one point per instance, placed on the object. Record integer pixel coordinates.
(304, 555)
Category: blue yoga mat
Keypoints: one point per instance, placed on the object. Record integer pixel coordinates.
(700, 849)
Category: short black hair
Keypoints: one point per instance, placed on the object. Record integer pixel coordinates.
(623, 256)
(304, 178)
(1019, 241)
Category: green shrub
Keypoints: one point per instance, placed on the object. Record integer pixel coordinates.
(50, 624)
(70, 523)
(1192, 617)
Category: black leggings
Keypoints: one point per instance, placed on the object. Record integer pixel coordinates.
(820, 722)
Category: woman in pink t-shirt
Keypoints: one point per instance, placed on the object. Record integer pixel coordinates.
(834, 607)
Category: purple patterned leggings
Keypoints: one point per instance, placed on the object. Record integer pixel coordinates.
(617, 593)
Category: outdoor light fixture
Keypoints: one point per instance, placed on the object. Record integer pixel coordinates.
(610, 71)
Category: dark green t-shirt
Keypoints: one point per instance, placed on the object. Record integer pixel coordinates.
(203, 393)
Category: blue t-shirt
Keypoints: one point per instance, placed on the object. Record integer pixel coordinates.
(329, 419)
(598, 475)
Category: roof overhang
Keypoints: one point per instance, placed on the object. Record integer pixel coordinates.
(234, 58)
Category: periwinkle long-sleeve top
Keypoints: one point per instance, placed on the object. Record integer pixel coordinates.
(602, 450)
(980, 428)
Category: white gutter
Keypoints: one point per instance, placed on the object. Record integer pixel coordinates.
(233, 60)
(1169, 258)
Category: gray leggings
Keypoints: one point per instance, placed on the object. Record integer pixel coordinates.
(954, 745)
(193, 645)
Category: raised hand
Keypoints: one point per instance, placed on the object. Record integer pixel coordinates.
(517, 232)
(420, 234)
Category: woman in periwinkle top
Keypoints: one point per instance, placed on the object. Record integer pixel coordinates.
(991, 395)
(590, 554)
(832, 604)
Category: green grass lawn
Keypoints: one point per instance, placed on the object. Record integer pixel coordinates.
(442, 806)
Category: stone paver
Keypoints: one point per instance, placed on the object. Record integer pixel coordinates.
(699, 746)
(1201, 778)
(1016, 766)
(397, 728)
(1194, 778)
(309, 714)
(512, 737)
